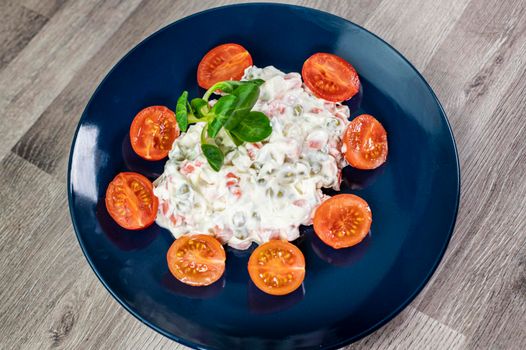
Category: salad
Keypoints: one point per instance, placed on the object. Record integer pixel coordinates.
(246, 164)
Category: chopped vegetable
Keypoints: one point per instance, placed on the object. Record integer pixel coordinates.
(130, 201)
(277, 267)
(330, 77)
(365, 141)
(197, 260)
(153, 132)
(223, 62)
(342, 221)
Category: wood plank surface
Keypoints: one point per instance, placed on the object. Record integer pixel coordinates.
(53, 54)
(46, 8)
(17, 28)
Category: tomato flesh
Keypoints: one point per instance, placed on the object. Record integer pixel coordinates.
(197, 260)
(130, 201)
(277, 267)
(365, 141)
(153, 131)
(342, 221)
(330, 77)
(223, 62)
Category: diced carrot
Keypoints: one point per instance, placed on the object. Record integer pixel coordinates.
(187, 169)
(236, 191)
(164, 207)
(300, 202)
(314, 144)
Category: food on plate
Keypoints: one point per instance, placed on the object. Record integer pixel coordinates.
(223, 62)
(249, 166)
(263, 190)
(197, 260)
(231, 112)
(343, 220)
(130, 201)
(365, 143)
(153, 132)
(277, 267)
(330, 77)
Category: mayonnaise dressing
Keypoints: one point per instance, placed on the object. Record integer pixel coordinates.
(265, 190)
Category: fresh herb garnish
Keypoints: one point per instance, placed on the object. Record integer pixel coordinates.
(222, 111)
(247, 96)
(181, 112)
(228, 86)
(214, 156)
(232, 111)
(200, 107)
(253, 128)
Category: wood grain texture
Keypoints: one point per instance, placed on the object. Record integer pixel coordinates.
(483, 270)
(417, 39)
(46, 8)
(17, 27)
(45, 66)
(413, 330)
(53, 53)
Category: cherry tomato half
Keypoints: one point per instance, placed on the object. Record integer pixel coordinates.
(130, 201)
(277, 267)
(197, 260)
(153, 132)
(343, 220)
(330, 77)
(365, 141)
(223, 62)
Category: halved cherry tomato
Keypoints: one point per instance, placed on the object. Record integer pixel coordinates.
(197, 260)
(277, 267)
(153, 132)
(223, 62)
(131, 202)
(343, 220)
(365, 141)
(330, 77)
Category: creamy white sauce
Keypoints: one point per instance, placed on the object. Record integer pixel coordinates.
(265, 190)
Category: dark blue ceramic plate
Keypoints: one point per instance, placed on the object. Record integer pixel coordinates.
(346, 294)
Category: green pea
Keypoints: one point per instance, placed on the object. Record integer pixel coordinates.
(184, 189)
(315, 168)
(298, 110)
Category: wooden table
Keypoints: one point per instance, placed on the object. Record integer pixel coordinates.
(53, 53)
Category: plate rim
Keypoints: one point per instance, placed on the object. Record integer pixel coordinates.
(346, 340)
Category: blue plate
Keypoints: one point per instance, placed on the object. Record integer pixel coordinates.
(347, 294)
